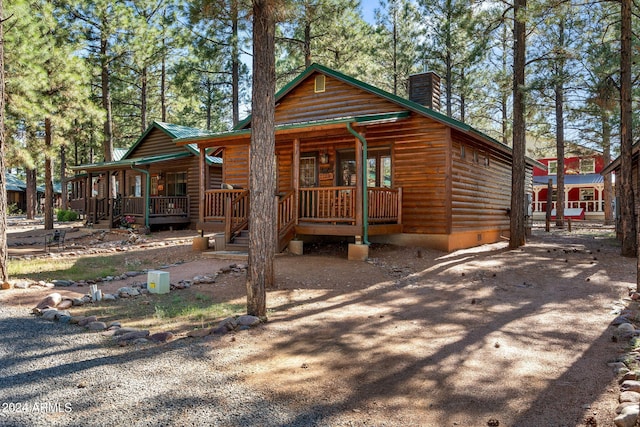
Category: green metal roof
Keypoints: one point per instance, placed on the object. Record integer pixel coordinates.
(118, 153)
(174, 131)
(367, 118)
(127, 163)
(401, 102)
(13, 183)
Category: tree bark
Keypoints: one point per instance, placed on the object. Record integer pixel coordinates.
(4, 274)
(48, 176)
(627, 201)
(608, 181)
(262, 184)
(31, 193)
(143, 100)
(235, 64)
(517, 225)
(559, 102)
(106, 100)
(63, 177)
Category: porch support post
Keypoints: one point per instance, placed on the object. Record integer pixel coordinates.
(88, 195)
(202, 182)
(296, 178)
(110, 198)
(599, 189)
(359, 182)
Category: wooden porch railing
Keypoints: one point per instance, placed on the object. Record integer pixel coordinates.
(286, 219)
(215, 203)
(384, 205)
(327, 204)
(77, 205)
(168, 205)
(133, 206)
(237, 214)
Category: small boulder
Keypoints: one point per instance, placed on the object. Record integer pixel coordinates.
(64, 304)
(199, 333)
(629, 396)
(247, 320)
(131, 336)
(161, 337)
(96, 326)
(49, 314)
(628, 416)
(52, 300)
(62, 283)
(630, 385)
(86, 320)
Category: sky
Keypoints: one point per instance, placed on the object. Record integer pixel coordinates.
(367, 7)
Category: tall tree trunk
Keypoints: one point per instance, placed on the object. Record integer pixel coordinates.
(63, 177)
(395, 49)
(48, 176)
(627, 202)
(235, 64)
(307, 43)
(262, 183)
(106, 100)
(448, 61)
(31, 193)
(504, 98)
(608, 181)
(517, 225)
(4, 275)
(163, 85)
(143, 100)
(559, 95)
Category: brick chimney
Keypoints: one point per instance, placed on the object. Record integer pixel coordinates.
(424, 88)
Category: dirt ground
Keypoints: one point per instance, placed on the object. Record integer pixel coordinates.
(416, 336)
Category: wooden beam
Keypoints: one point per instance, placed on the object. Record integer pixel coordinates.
(296, 176)
(202, 182)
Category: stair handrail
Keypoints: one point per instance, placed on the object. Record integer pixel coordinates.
(236, 215)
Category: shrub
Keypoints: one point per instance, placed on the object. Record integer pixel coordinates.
(13, 209)
(66, 216)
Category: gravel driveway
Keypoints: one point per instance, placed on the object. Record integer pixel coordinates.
(53, 374)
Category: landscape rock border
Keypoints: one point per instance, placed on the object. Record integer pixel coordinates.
(627, 365)
(55, 307)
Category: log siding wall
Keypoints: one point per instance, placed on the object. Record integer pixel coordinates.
(339, 99)
(480, 192)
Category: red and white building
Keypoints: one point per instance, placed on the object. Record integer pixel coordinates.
(583, 185)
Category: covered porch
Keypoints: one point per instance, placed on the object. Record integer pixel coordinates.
(331, 182)
(130, 193)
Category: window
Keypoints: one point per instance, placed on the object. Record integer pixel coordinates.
(476, 157)
(176, 184)
(319, 84)
(587, 194)
(587, 165)
(136, 187)
(347, 168)
(308, 174)
(463, 153)
(379, 168)
(552, 167)
(154, 185)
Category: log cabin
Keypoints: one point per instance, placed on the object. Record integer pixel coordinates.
(358, 162)
(154, 183)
